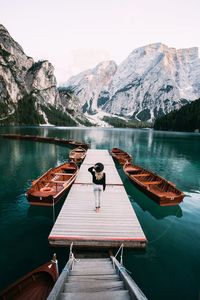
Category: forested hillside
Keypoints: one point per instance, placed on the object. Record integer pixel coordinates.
(185, 119)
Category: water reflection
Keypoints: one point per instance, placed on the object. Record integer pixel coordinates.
(158, 212)
(37, 211)
(148, 205)
(46, 212)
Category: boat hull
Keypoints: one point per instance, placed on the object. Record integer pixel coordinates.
(77, 155)
(36, 285)
(52, 186)
(154, 189)
(120, 156)
(161, 200)
(45, 200)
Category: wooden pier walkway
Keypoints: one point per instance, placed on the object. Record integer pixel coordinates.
(116, 223)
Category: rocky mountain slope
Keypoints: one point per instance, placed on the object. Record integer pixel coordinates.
(151, 82)
(28, 91)
(88, 85)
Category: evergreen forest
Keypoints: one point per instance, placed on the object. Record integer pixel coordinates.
(185, 119)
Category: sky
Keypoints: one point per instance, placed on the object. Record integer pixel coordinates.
(75, 35)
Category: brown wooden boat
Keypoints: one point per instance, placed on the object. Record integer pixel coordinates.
(77, 155)
(36, 285)
(79, 144)
(51, 186)
(121, 156)
(156, 187)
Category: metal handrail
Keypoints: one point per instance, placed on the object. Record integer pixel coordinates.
(130, 284)
(58, 287)
(121, 255)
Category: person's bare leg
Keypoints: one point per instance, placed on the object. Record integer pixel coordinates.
(96, 200)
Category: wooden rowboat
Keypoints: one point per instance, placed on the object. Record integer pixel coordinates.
(156, 187)
(77, 155)
(51, 186)
(36, 285)
(121, 156)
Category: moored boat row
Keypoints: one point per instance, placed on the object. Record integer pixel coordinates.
(46, 140)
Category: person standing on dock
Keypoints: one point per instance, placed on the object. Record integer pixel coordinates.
(99, 183)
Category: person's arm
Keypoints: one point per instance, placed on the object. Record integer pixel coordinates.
(91, 170)
(104, 182)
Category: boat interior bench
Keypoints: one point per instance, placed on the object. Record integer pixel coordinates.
(58, 181)
(62, 174)
(151, 182)
(142, 174)
(132, 170)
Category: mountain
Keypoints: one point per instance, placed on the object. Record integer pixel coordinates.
(151, 82)
(88, 85)
(187, 118)
(28, 91)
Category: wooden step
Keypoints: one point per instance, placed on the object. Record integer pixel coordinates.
(80, 264)
(92, 278)
(84, 263)
(97, 271)
(95, 260)
(90, 268)
(92, 265)
(98, 261)
(96, 286)
(87, 263)
(115, 295)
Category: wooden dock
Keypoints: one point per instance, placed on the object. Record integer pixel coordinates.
(116, 223)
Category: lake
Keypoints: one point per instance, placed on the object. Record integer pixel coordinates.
(170, 266)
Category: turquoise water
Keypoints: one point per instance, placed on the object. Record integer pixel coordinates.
(170, 266)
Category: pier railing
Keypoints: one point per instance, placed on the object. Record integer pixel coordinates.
(131, 286)
(58, 287)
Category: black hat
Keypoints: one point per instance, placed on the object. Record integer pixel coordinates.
(99, 167)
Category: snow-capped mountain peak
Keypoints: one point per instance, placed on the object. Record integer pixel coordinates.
(88, 84)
